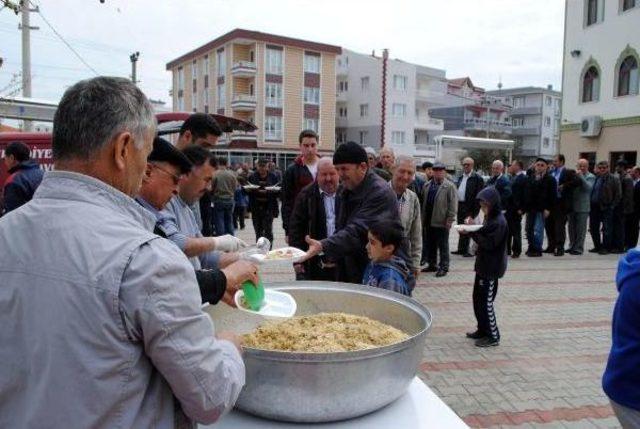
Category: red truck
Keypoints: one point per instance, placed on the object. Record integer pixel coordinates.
(168, 123)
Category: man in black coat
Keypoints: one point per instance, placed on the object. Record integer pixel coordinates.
(263, 201)
(469, 184)
(314, 214)
(24, 178)
(635, 221)
(556, 223)
(541, 196)
(501, 182)
(364, 199)
(516, 208)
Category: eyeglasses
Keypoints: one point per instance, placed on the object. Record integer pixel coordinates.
(176, 178)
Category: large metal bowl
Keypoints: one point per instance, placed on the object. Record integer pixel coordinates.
(321, 387)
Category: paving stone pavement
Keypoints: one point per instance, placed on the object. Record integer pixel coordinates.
(554, 315)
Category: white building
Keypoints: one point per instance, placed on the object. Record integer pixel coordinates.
(409, 92)
(600, 103)
(535, 120)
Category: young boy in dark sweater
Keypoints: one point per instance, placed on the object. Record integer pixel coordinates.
(386, 270)
(491, 264)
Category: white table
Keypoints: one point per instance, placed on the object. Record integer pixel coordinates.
(418, 408)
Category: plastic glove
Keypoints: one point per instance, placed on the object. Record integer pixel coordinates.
(228, 243)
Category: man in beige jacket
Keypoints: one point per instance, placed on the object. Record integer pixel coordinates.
(404, 172)
(439, 212)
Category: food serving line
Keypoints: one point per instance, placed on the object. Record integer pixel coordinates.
(374, 387)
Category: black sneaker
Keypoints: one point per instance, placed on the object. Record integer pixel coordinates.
(487, 342)
(574, 252)
(535, 254)
(558, 252)
(430, 269)
(476, 335)
(457, 252)
(515, 255)
(441, 273)
(594, 250)
(548, 250)
(468, 255)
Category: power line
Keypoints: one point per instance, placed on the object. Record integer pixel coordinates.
(39, 10)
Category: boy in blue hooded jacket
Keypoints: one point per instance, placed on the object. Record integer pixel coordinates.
(621, 380)
(387, 270)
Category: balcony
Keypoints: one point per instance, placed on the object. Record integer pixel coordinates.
(243, 69)
(244, 103)
(429, 124)
(425, 150)
(526, 130)
(241, 136)
(342, 122)
(431, 97)
(526, 111)
(341, 97)
(492, 125)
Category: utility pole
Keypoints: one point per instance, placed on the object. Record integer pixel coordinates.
(383, 119)
(134, 60)
(26, 28)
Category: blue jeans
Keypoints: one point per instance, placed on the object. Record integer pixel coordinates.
(223, 216)
(535, 230)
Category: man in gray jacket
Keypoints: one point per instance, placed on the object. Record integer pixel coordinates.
(100, 319)
(438, 214)
(580, 207)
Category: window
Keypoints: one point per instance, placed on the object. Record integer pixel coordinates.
(194, 101)
(311, 95)
(194, 70)
(221, 60)
(397, 137)
(399, 110)
(547, 121)
(628, 4)
(273, 127)
(363, 137)
(273, 59)
(628, 77)
(310, 124)
(518, 102)
(205, 66)
(180, 78)
(343, 86)
(591, 85)
(273, 94)
(205, 97)
(517, 122)
(364, 110)
(364, 83)
(399, 82)
(548, 101)
(180, 106)
(545, 142)
(341, 136)
(594, 14)
(222, 97)
(311, 63)
(342, 112)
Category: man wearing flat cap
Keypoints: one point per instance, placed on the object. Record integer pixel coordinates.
(541, 195)
(365, 198)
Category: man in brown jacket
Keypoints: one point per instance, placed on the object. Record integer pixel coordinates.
(439, 212)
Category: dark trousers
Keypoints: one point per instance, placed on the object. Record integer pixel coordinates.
(514, 239)
(464, 211)
(601, 218)
(437, 241)
(262, 222)
(223, 216)
(484, 293)
(632, 227)
(618, 228)
(556, 227)
(238, 216)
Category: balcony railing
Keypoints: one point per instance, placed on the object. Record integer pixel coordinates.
(243, 69)
(428, 123)
(244, 102)
(244, 136)
(481, 124)
(425, 150)
(526, 111)
(525, 130)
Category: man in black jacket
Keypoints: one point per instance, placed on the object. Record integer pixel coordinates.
(299, 174)
(24, 176)
(263, 200)
(469, 184)
(516, 208)
(365, 198)
(556, 223)
(501, 182)
(605, 195)
(635, 220)
(541, 196)
(314, 214)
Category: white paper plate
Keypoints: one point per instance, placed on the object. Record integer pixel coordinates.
(273, 188)
(247, 187)
(468, 228)
(276, 304)
(287, 255)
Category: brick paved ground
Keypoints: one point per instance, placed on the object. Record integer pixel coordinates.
(554, 316)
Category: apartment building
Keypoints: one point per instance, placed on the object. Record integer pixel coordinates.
(600, 103)
(534, 120)
(281, 84)
(383, 101)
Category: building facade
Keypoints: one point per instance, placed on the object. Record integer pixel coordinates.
(600, 103)
(386, 101)
(534, 120)
(281, 84)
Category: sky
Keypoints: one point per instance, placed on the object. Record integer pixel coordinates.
(518, 42)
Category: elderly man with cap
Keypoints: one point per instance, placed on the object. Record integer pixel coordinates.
(540, 197)
(166, 166)
(106, 330)
(372, 161)
(439, 212)
(469, 184)
(365, 198)
(262, 201)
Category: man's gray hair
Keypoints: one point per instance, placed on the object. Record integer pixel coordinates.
(93, 111)
(325, 160)
(404, 158)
